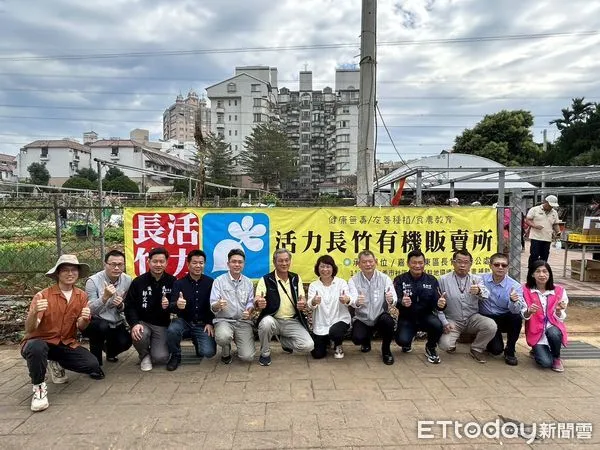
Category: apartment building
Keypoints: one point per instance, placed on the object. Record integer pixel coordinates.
(63, 158)
(241, 102)
(323, 128)
(179, 119)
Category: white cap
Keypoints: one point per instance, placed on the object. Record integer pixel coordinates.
(552, 201)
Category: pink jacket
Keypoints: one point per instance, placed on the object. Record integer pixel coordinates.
(535, 326)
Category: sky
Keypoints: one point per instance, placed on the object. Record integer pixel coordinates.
(68, 66)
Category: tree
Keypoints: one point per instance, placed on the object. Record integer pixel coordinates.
(120, 184)
(504, 137)
(79, 182)
(113, 173)
(88, 173)
(38, 174)
(219, 159)
(267, 156)
(579, 140)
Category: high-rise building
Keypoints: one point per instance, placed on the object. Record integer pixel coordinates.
(240, 103)
(323, 128)
(179, 119)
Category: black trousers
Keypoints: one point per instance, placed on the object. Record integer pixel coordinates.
(362, 334)
(337, 331)
(99, 333)
(37, 353)
(407, 330)
(510, 324)
(538, 250)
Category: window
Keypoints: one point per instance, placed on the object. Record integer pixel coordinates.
(343, 138)
(345, 110)
(229, 102)
(256, 117)
(255, 88)
(44, 153)
(235, 117)
(114, 151)
(231, 87)
(236, 147)
(305, 137)
(305, 115)
(236, 132)
(229, 132)
(305, 126)
(257, 102)
(229, 117)
(343, 124)
(235, 102)
(220, 118)
(219, 103)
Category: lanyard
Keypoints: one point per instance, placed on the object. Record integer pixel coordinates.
(286, 292)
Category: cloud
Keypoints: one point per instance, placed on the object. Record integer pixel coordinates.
(428, 89)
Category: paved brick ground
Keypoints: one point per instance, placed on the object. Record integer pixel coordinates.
(297, 402)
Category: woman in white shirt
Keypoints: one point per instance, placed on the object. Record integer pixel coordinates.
(328, 298)
(545, 315)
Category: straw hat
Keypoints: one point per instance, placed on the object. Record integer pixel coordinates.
(84, 269)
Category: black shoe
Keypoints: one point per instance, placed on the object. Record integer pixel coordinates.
(388, 359)
(173, 363)
(366, 348)
(112, 359)
(264, 360)
(226, 359)
(99, 375)
(511, 360)
(432, 355)
(288, 350)
(406, 349)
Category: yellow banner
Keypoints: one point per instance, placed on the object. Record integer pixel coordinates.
(307, 233)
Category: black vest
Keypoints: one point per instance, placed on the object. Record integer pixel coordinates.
(274, 301)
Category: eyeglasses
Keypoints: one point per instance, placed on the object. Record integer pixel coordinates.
(116, 265)
(503, 265)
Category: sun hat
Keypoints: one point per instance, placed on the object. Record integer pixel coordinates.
(84, 269)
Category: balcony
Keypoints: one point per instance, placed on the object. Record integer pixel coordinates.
(220, 109)
(221, 125)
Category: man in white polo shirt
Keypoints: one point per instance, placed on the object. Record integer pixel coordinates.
(543, 220)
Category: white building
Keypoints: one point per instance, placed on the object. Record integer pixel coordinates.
(8, 167)
(61, 157)
(128, 152)
(241, 102)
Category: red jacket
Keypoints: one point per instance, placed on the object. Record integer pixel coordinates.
(536, 325)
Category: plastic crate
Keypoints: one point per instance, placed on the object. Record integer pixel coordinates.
(584, 238)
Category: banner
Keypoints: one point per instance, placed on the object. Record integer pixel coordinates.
(390, 233)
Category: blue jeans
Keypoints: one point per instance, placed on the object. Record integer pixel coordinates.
(180, 329)
(543, 354)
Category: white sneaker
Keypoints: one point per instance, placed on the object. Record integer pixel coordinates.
(146, 364)
(338, 353)
(39, 401)
(58, 373)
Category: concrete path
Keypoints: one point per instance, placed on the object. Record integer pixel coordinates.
(356, 402)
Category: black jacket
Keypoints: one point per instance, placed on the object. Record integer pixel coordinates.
(197, 299)
(143, 302)
(424, 295)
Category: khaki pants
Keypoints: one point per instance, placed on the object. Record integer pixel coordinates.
(482, 327)
(239, 332)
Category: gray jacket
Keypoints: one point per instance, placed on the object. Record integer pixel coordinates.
(239, 295)
(94, 288)
(374, 291)
(460, 306)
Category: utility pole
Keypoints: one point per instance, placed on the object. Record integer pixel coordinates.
(366, 106)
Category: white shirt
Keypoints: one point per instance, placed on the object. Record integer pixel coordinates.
(546, 219)
(544, 301)
(330, 310)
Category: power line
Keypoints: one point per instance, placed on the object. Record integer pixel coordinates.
(89, 108)
(210, 51)
(280, 81)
